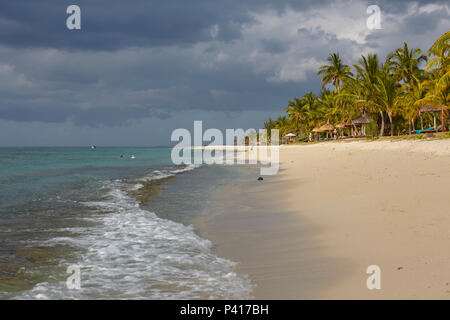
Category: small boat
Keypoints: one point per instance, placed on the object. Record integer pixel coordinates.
(133, 157)
(93, 146)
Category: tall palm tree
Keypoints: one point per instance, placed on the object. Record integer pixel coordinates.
(404, 63)
(410, 109)
(368, 69)
(335, 72)
(352, 99)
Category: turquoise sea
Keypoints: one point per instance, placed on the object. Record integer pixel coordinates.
(125, 223)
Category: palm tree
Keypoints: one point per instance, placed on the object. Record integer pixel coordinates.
(326, 107)
(352, 99)
(439, 85)
(335, 72)
(441, 61)
(282, 124)
(296, 112)
(269, 125)
(310, 100)
(388, 96)
(368, 69)
(404, 63)
(410, 108)
(436, 96)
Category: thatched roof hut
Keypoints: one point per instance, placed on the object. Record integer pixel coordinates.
(327, 127)
(316, 129)
(343, 125)
(430, 109)
(362, 120)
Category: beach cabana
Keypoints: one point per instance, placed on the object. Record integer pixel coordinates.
(433, 110)
(342, 126)
(362, 121)
(316, 130)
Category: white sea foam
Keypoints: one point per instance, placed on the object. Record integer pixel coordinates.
(132, 253)
(162, 174)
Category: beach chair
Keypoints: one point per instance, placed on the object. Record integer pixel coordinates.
(430, 129)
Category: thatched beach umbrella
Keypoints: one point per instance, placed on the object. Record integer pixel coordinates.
(362, 121)
(316, 129)
(327, 127)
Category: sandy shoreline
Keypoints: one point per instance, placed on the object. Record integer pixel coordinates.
(334, 209)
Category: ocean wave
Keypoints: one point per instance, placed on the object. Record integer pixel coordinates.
(162, 174)
(133, 254)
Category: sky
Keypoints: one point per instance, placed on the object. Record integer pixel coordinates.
(137, 70)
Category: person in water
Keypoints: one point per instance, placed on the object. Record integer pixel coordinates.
(121, 156)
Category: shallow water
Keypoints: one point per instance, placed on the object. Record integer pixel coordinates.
(125, 223)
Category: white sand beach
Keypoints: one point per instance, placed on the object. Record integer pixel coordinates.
(335, 208)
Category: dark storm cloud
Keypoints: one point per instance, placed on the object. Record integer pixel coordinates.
(115, 24)
(274, 46)
(420, 23)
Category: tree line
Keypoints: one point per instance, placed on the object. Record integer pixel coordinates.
(391, 93)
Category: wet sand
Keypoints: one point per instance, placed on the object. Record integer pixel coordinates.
(311, 231)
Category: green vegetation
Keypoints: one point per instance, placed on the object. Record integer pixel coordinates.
(374, 98)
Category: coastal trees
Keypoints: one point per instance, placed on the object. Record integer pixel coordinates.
(393, 90)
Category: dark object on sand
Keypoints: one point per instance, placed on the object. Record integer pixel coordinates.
(260, 178)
